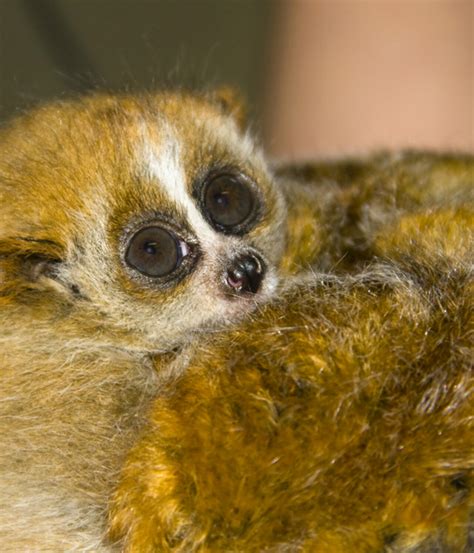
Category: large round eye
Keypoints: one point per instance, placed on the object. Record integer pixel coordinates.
(154, 252)
(228, 201)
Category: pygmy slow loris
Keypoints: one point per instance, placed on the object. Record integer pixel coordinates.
(127, 225)
(133, 228)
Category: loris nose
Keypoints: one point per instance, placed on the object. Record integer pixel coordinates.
(246, 273)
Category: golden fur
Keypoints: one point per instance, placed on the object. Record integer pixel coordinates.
(337, 417)
(341, 420)
(341, 417)
(77, 326)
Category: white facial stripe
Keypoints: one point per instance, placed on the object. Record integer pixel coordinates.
(165, 166)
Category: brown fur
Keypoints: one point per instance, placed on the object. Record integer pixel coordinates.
(338, 210)
(337, 418)
(77, 326)
(341, 417)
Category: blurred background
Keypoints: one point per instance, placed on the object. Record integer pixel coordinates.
(321, 77)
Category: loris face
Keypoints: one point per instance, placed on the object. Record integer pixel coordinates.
(137, 221)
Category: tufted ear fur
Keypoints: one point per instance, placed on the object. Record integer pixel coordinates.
(231, 102)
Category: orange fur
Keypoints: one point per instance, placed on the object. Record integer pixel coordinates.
(341, 417)
(336, 418)
(78, 326)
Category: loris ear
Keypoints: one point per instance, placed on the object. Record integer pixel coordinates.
(231, 102)
(24, 261)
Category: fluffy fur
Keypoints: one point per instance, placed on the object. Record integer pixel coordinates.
(341, 417)
(78, 327)
(341, 420)
(337, 418)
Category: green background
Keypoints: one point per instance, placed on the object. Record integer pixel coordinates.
(50, 48)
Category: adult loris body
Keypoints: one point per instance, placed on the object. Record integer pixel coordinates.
(131, 227)
(340, 419)
(127, 225)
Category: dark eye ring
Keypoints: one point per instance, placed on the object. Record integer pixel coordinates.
(155, 251)
(229, 202)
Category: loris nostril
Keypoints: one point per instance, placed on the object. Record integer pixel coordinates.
(246, 273)
(235, 279)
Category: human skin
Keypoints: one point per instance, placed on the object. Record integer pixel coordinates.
(353, 76)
